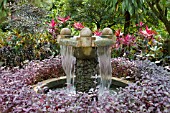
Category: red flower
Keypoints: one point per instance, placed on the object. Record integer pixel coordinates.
(78, 25)
(120, 40)
(63, 20)
(148, 32)
(118, 33)
(97, 33)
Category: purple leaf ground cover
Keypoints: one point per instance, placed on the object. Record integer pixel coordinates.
(150, 93)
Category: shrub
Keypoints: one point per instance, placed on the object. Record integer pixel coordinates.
(16, 48)
(142, 44)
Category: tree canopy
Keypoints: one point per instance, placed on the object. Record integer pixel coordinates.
(106, 13)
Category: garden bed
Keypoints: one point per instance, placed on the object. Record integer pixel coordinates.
(149, 93)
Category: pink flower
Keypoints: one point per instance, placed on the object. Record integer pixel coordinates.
(140, 24)
(78, 25)
(126, 40)
(52, 23)
(97, 33)
(63, 20)
(52, 28)
(116, 46)
(148, 32)
(120, 40)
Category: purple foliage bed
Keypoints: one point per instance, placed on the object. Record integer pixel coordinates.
(150, 92)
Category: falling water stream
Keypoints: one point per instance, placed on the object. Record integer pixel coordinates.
(105, 69)
(68, 61)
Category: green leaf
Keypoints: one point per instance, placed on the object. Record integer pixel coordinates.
(114, 4)
(127, 3)
(135, 4)
(133, 1)
(167, 4)
(141, 1)
(123, 7)
(130, 9)
(163, 2)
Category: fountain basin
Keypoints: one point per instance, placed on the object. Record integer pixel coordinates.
(94, 41)
(60, 82)
(69, 42)
(103, 42)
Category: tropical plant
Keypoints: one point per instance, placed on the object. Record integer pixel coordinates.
(160, 8)
(129, 8)
(143, 44)
(149, 10)
(86, 11)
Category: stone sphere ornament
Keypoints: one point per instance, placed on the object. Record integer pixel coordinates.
(65, 31)
(107, 31)
(85, 32)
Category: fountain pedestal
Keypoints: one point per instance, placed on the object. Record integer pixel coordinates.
(84, 70)
(85, 50)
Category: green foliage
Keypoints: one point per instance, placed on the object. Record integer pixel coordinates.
(131, 6)
(86, 11)
(27, 18)
(15, 48)
(150, 11)
(3, 10)
(95, 14)
(140, 46)
(160, 9)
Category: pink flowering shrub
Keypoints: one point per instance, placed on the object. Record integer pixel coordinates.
(143, 44)
(56, 24)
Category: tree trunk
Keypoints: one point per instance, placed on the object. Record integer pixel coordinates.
(98, 25)
(166, 22)
(167, 25)
(127, 22)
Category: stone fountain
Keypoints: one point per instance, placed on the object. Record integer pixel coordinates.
(85, 58)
